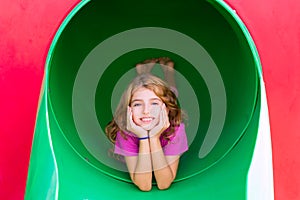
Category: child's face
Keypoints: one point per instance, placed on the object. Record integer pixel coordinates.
(146, 107)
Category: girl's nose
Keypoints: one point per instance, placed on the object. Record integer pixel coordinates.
(146, 109)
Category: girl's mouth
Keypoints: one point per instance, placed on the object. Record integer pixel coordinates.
(146, 119)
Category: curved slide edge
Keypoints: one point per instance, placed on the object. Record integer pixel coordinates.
(43, 165)
(260, 184)
(43, 177)
(80, 181)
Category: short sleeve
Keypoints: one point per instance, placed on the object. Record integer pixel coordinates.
(177, 144)
(126, 146)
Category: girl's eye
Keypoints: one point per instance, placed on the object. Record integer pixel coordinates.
(155, 103)
(137, 104)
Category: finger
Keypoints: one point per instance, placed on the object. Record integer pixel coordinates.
(162, 117)
(166, 111)
(166, 117)
(131, 120)
(160, 122)
(128, 118)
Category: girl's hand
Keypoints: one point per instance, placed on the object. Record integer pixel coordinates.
(132, 127)
(163, 124)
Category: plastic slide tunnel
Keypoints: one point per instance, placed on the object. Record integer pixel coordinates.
(218, 75)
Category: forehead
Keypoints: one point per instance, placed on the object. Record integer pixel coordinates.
(144, 94)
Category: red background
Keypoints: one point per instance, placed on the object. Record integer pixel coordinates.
(27, 28)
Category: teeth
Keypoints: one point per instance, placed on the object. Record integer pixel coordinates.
(146, 119)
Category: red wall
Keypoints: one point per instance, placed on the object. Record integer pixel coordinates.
(26, 30)
(275, 27)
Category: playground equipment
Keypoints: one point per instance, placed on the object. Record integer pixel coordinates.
(220, 86)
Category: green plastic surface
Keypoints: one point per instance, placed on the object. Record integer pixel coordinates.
(61, 166)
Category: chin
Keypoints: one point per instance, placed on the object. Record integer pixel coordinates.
(148, 127)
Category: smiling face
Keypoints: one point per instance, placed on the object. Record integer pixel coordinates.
(146, 107)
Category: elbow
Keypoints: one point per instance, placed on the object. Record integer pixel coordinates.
(163, 186)
(145, 187)
(165, 183)
(144, 183)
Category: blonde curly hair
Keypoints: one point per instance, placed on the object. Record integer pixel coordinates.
(161, 89)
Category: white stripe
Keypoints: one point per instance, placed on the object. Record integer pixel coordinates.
(260, 176)
(55, 173)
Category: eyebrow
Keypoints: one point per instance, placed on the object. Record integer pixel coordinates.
(152, 99)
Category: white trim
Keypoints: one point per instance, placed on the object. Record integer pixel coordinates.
(54, 180)
(260, 184)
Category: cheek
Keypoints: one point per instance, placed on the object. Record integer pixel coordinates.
(135, 119)
(155, 110)
(136, 111)
(135, 115)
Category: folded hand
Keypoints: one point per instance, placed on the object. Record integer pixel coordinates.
(163, 124)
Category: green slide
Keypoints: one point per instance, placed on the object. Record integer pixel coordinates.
(218, 75)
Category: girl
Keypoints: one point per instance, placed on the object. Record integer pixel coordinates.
(147, 128)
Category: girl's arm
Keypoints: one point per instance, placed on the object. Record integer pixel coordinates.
(164, 167)
(140, 167)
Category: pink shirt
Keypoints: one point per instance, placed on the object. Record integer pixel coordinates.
(175, 146)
